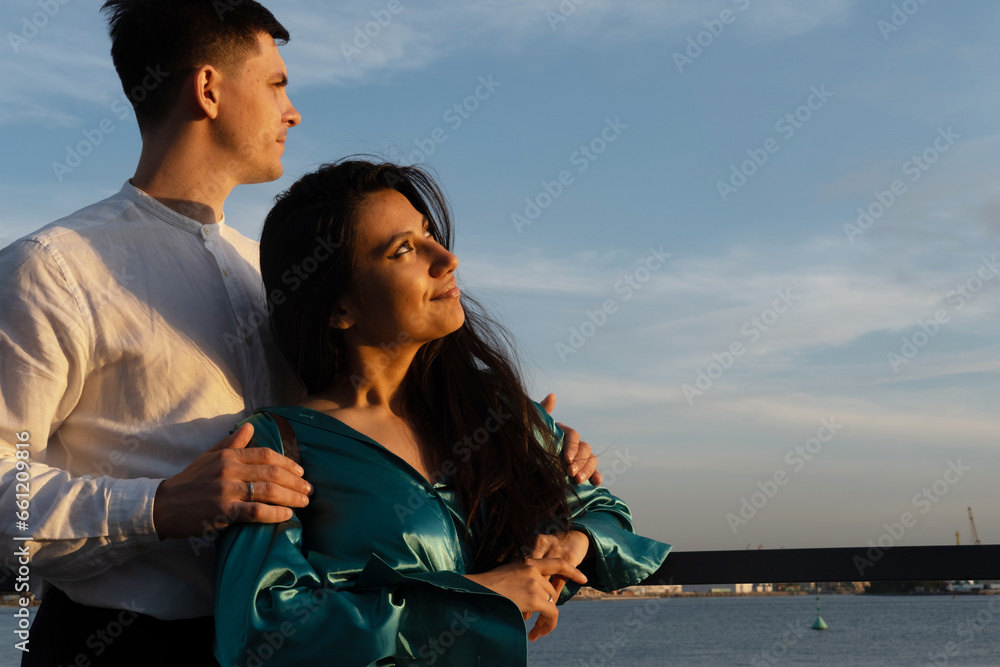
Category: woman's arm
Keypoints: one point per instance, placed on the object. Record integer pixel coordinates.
(281, 605)
(614, 557)
(272, 606)
(527, 583)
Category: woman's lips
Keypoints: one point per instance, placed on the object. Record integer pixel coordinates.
(450, 293)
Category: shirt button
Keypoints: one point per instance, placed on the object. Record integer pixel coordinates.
(225, 272)
(249, 340)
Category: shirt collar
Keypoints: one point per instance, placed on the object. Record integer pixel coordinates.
(168, 215)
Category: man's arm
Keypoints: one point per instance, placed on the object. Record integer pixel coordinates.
(580, 459)
(78, 524)
(83, 525)
(602, 541)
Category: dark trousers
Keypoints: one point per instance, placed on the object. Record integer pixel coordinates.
(65, 633)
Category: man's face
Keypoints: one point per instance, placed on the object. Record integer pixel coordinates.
(255, 114)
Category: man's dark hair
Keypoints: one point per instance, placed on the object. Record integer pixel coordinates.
(155, 45)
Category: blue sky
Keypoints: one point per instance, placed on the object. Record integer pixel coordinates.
(739, 138)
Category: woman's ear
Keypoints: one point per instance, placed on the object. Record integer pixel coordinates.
(342, 316)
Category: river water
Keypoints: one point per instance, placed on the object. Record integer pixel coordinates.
(755, 631)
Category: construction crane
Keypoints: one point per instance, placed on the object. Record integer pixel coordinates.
(972, 522)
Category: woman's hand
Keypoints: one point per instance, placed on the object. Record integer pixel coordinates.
(527, 585)
(572, 546)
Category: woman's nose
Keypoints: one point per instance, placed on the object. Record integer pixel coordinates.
(446, 262)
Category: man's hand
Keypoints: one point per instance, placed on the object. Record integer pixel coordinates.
(572, 546)
(214, 491)
(580, 458)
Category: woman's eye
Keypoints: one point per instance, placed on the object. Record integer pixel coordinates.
(402, 250)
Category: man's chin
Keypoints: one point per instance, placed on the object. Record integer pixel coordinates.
(265, 175)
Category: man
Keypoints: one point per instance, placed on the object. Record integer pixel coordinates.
(124, 351)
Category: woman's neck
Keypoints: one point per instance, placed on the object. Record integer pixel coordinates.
(376, 379)
(371, 400)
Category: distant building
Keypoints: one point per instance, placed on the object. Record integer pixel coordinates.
(753, 588)
(728, 588)
(674, 589)
(708, 588)
(698, 588)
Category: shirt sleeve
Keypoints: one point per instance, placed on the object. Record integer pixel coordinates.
(275, 602)
(80, 526)
(620, 557)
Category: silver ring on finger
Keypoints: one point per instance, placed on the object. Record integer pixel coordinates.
(251, 492)
(550, 597)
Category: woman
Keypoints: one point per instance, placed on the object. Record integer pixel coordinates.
(442, 517)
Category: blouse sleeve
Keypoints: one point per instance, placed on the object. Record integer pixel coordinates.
(621, 558)
(274, 605)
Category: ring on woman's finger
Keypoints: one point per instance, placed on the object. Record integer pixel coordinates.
(250, 491)
(550, 597)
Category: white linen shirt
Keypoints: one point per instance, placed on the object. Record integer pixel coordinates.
(132, 339)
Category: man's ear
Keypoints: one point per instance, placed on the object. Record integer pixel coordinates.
(206, 82)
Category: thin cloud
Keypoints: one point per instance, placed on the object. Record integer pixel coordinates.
(64, 64)
(346, 45)
(781, 19)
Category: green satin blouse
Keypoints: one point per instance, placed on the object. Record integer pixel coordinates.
(370, 572)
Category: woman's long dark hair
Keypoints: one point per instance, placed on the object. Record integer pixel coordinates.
(464, 393)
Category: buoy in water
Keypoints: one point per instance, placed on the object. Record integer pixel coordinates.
(819, 624)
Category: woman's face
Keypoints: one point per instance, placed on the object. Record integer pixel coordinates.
(405, 291)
